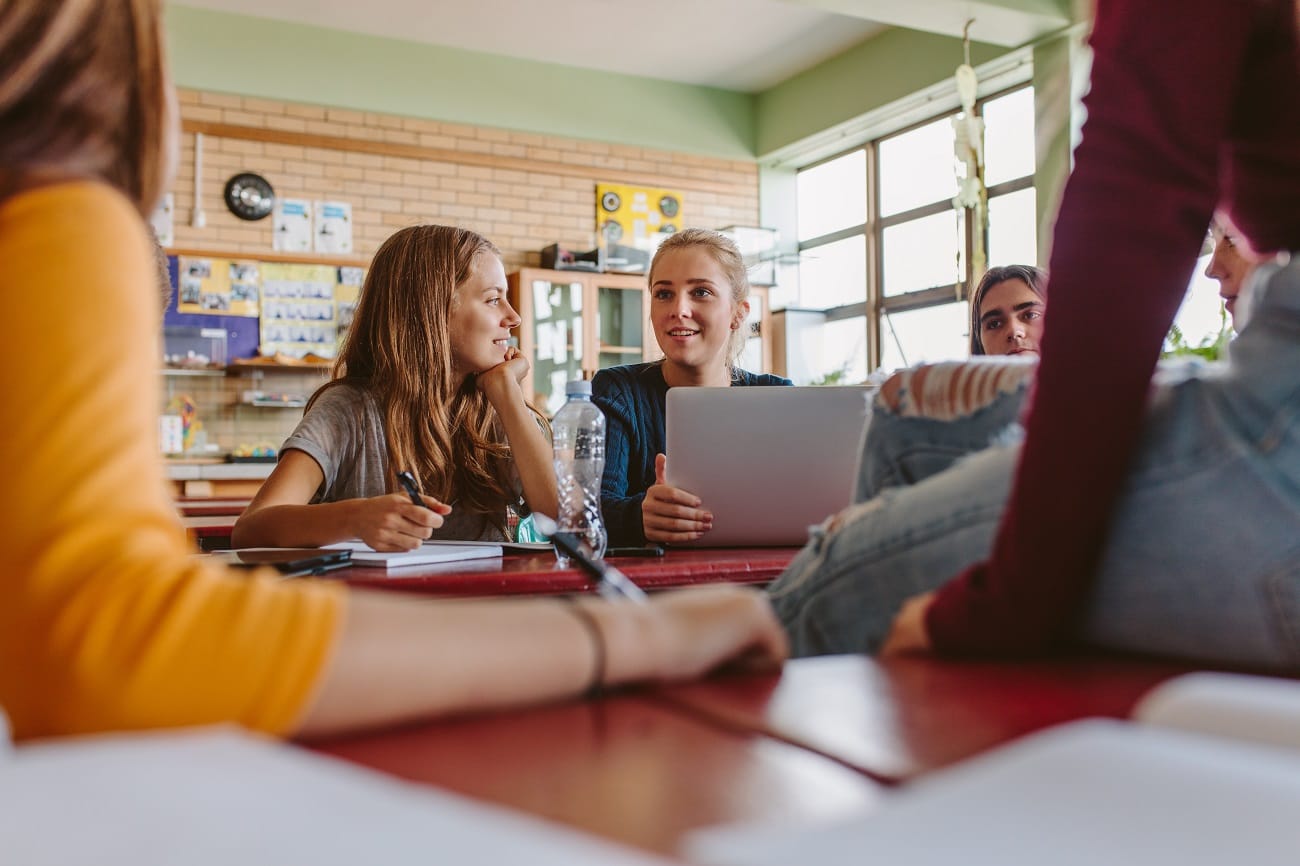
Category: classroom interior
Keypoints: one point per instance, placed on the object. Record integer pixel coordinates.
(822, 136)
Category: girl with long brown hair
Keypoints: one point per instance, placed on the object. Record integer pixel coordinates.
(427, 382)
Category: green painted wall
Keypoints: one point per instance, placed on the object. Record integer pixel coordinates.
(275, 60)
(885, 68)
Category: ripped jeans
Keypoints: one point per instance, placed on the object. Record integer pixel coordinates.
(1203, 557)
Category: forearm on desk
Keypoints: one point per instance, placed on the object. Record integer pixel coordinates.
(296, 525)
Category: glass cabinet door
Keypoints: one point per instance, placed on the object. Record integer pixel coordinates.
(557, 336)
(620, 326)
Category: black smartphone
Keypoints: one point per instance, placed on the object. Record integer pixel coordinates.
(289, 561)
(655, 550)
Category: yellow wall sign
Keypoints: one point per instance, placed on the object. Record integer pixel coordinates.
(636, 216)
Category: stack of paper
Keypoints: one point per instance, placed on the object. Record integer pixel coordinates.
(426, 554)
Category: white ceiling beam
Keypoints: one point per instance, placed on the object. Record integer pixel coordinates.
(996, 22)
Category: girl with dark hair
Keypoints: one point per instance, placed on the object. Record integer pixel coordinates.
(1007, 310)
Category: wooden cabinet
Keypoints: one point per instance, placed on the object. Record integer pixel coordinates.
(574, 323)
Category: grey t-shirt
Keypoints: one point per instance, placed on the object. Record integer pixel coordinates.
(344, 433)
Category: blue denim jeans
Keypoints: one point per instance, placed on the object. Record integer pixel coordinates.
(1203, 557)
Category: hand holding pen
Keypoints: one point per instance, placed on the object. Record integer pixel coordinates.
(389, 523)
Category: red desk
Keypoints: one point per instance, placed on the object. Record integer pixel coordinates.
(622, 767)
(648, 767)
(901, 717)
(209, 531)
(538, 575)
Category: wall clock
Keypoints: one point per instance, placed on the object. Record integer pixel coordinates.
(249, 196)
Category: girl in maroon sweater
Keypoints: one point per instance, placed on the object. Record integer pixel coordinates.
(1163, 519)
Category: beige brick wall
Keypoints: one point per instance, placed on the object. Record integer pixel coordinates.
(522, 190)
(540, 189)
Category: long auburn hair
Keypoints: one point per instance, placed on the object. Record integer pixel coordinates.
(84, 92)
(398, 349)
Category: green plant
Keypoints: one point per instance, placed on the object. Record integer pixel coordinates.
(1211, 347)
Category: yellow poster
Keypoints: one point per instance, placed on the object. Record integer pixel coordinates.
(299, 315)
(218, 287)
(636, 216)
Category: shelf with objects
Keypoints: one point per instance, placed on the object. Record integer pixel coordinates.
(247, 340)
(563, 342)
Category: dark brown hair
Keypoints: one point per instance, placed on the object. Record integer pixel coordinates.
(1035, 278)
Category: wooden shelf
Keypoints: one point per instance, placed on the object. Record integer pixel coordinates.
(193, 371)
(247, 367)
(287, 258)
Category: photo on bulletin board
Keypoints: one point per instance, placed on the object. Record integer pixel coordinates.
(218, 287)
(638, 217)
(299, 310)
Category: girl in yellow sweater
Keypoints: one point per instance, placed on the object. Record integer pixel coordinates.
(106, 620)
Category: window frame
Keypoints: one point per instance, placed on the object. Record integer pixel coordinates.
(875, 305)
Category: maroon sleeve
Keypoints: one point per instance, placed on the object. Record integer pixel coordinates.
(1164, 81)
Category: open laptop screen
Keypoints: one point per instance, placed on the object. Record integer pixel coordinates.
(768, 462)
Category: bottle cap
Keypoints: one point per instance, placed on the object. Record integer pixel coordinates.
(578, 386)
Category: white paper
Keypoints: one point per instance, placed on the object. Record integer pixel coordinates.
(163, 221)
(215, 797)
(1088, 793)
(1261, 709)
(292, 220)
(333, 227)
(425, 554)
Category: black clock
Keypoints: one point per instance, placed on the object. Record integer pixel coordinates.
(249, 196)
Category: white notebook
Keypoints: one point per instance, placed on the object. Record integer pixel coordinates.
(1091, 792)
(426, 554)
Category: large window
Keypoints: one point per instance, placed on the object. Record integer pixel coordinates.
(883, 250)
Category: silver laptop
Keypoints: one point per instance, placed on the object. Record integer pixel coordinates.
(768, 462)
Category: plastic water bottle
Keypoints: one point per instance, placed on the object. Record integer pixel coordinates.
(578, 431)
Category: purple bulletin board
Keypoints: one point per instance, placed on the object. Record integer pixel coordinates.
(241, 331)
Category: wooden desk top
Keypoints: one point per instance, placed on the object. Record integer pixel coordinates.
(825, 737)
(622, 767)
(537, 574)
(211, 507)
(901, 717)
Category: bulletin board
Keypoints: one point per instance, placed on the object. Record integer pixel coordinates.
(265, 307)
(217, 287)
(639, 217)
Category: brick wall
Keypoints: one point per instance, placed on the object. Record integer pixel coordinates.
(522, 190)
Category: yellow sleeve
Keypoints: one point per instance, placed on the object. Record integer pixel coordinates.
(106, 619)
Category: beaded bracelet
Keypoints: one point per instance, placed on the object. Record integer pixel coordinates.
(592, 628)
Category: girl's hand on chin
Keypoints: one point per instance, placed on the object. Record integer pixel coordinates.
(497, 380)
